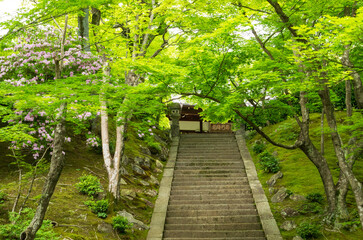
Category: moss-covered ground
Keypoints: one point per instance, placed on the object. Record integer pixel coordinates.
(301, 177)
(73, 218)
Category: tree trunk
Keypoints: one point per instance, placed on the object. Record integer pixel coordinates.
(57, 161)
(83, 29)
(112, 164)
(322, 132)
(316, 157)
(348, 98)
(339, 151)
(56, 166)
(358, 89)
(342, 190)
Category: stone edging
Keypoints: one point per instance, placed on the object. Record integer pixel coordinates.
(159, 215)
(268, 221)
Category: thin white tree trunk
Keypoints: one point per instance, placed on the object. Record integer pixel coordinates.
(112, 164)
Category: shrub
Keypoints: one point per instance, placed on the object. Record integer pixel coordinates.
(308, 231)
(2, 197)
(121, 224)
(289, 192)
(258, 147)
(315, 197)
(89, 185)
(98, 207)
(269, 162)
(287, 131)
(311, 208)
(350, 225)
(12, 231)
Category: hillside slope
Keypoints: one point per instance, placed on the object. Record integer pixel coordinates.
(67, 210)
(300, 177)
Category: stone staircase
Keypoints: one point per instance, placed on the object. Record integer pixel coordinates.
(210, 195)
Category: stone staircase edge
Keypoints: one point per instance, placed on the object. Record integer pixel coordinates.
(268, 222)
(159, 214)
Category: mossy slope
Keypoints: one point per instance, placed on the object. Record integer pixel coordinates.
(301, 176)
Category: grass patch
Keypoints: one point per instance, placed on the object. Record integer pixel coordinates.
(301, 176)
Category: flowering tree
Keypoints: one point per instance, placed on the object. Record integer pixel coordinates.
(49, 78)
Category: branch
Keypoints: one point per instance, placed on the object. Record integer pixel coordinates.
(258, 39)
(218, 76)
(285, 19)
(34, 23)
(253, 125)
(201, 68)
(256, 10)
(146, 36)
(163, 45)
(63, 41)
(269, 37)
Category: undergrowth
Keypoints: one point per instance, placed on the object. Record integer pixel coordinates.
(19, 222)
(301, 177)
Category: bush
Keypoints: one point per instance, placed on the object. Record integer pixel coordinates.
(258, 147)
(315, 197)
(98, 207)
(2, 197)
(308, 231)
(13, 231)
(311, 208)
(89, 185)
(121, 224)
(350, 225)
(269, 162)
(288, 131)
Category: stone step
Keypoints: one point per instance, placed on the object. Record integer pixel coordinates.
(189, 179)
(206, 163)
(199, 186)
(179, 181)
(199, 151)
(212, 157)
(211, 213)
(207, 135)
(207, 139)
(183, 207)
(207, 147)
(202, 177)
(201, 197)
(206, 234)
(212, 238)
(214, 160)
(211, 227)
(210, 191)
(210, 201)
(230, 238)
(210, 167)
(202, 139)
(213, 220)
(215, 187)
(207, 153)
(209, 171)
